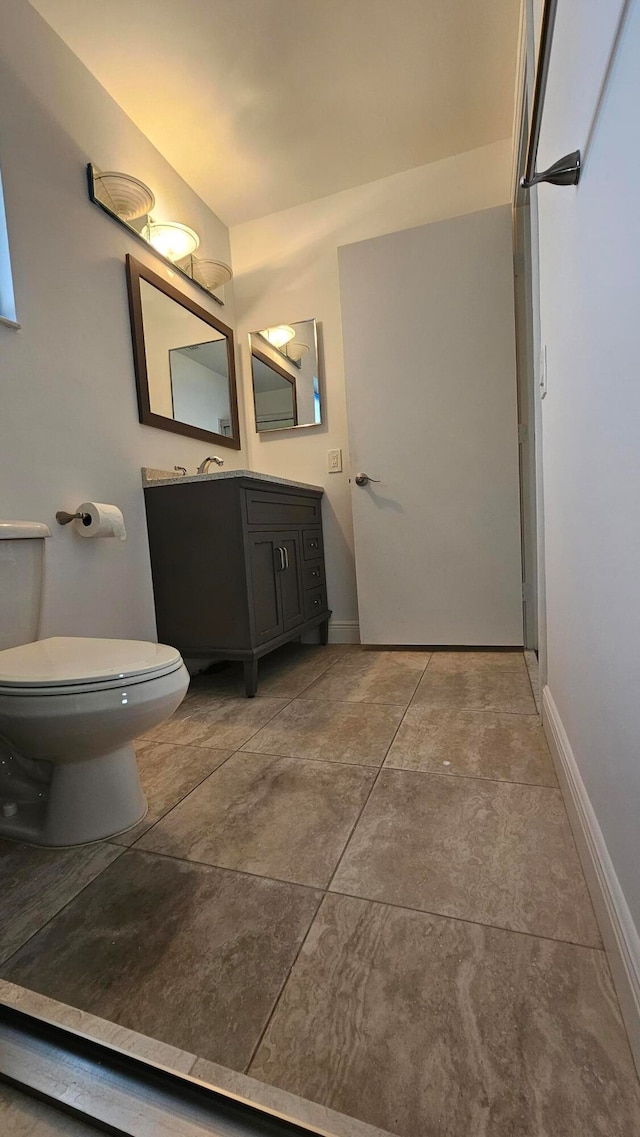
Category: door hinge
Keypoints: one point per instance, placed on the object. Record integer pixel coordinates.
(523, 432)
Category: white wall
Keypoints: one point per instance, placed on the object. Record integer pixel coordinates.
(274, 407)
(68, 418)
(200, 394)
(590, 303)
(286, 269)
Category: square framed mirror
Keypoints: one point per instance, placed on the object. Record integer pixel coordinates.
(184, 361)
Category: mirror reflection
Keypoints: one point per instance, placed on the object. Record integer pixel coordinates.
(284, 372)
(184, 362)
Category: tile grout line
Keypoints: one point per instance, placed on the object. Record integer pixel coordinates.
(324, 891)
(235, 751)
(299, 758)
(327, 891)
(171, 808)
(366, 801)
(71, 899)
(285, 980)
(473, 777)
(467, 920)
(125, 848)
(171, 742)
(322, 675)
(385, 766)
(271, 695)
(114, 844)
(375, 780)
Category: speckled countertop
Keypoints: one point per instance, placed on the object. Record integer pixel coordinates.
(151, 477)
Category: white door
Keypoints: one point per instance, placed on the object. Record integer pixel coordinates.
(428, 325)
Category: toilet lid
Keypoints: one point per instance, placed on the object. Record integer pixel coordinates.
(64, 660)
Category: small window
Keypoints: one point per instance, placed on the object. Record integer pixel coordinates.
(7, 300)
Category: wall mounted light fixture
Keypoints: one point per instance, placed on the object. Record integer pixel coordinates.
(128, 197)
(210, 274)
(170, 238)
(129, 201)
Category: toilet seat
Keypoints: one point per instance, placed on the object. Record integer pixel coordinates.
(65, 665)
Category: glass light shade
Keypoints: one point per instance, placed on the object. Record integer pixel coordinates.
(210, 274)
(172, 239)
(279, 335)
(295, 351)
(125, 195)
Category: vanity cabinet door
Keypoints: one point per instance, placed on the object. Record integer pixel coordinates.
(265, 564)
(291, 582)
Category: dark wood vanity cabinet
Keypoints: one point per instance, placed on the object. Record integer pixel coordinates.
(238, 567)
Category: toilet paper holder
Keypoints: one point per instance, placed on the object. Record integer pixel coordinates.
(63, 518)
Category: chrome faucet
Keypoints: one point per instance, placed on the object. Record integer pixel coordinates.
(206, 462)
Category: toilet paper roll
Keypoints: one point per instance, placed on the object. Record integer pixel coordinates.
(100, 521)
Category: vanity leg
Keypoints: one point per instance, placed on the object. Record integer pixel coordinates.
(324, 632)
(250, 677)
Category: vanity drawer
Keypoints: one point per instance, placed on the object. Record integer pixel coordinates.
(315, 600)
(312, 544)
(265, 508)
(313, 573)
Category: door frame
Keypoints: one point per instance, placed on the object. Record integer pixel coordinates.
(529, 355)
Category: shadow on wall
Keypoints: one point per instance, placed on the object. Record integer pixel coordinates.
(381, 502)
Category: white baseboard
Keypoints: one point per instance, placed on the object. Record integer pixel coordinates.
(344, 632)
(618, 929)
(340, 632)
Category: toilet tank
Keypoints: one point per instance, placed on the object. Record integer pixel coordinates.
(21, 579)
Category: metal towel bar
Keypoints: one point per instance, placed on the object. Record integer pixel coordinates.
(566, 171)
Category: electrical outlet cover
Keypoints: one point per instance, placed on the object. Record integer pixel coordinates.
(334, 461)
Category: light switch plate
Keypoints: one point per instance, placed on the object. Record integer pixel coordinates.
(334, 461)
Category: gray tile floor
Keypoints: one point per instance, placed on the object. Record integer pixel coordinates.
(361, 888)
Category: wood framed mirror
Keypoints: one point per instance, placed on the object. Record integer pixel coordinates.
(184, 361)
(271, 380)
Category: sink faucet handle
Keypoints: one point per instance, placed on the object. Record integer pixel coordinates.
(180, 469)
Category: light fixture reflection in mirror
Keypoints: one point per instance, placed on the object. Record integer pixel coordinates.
(279, 335)
(286, 383)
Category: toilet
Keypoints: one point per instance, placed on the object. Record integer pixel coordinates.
(69, 710)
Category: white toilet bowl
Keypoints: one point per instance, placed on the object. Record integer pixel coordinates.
(69, 710)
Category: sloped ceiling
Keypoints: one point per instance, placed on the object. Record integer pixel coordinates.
(264, 104)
